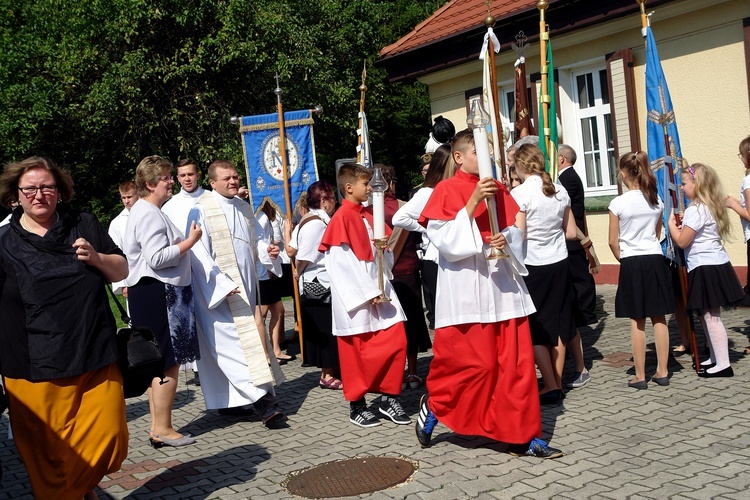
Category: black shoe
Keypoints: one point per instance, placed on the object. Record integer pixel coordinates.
(272, 416)
(551, 398)
(706, 366)
(426, 422)
(237, 411)
(536, 448)
(639, 385)
(726, 372)
(196, 378)
(361, 416)
(391, 408)
(268, 409)
(663, 381)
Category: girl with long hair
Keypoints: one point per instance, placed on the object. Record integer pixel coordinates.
(441, 167)
(645, 283)
(712, 282)
(547, 221)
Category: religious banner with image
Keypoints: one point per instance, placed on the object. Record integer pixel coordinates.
(261, 147)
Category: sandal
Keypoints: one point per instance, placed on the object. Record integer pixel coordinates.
(412, 381)
(331, 383)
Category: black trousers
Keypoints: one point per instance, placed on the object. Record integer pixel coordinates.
(584, 286)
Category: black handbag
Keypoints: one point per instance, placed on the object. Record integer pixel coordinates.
(139, 355)
(315, 293)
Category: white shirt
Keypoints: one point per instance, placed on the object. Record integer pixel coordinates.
(117, 233)
(309, 240)
(638, 222)
(706, 248)
(278, 237)
(407, 215)
(151, 247)
(745, 224)
(545, 237)
(267, 236)
(178, 208)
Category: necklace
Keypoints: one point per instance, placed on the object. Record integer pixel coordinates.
(25, 225)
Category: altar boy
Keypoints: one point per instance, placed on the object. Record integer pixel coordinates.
(370, 331)
(482, 379)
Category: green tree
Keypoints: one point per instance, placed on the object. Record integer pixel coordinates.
(98, 84)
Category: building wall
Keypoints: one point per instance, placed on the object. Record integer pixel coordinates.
(700, 43)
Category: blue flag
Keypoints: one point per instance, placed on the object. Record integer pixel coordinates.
(261, 146)
(661, 128)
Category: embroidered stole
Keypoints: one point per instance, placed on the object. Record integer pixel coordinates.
(242, 306)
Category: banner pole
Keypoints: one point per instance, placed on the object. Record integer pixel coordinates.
(288, 204)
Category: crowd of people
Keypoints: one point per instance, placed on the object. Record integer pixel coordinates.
(202, 271)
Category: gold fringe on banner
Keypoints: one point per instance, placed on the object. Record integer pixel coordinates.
(275, 125)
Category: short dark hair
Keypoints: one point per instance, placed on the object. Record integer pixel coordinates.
(349, 173)
(317, 191)
(217, 165)
(14, 171)
(186, 162)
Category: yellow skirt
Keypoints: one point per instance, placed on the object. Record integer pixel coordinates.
(70, 432)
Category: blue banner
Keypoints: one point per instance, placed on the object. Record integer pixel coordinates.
(261, 144)
(661, 128)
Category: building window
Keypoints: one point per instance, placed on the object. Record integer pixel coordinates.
(594, 116)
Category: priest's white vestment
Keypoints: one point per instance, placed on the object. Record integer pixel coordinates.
(233, 366)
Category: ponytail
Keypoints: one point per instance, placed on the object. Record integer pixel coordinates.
(530, 158)
(636, 165)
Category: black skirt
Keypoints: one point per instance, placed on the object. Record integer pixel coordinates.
(645, 288)
(713, 286)
(321, 347)
(551, 289)
(269, 291)
(408, 289)
(147, 304)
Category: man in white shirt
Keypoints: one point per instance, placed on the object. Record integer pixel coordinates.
(235, 370)
(129, 196)
(178, 208)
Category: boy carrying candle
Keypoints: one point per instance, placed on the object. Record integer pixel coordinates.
(370, 330)
(482, 379)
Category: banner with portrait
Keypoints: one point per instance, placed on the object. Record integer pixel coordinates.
(261, 147)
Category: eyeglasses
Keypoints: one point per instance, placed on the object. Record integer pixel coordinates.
(30, 191)
(165, 178)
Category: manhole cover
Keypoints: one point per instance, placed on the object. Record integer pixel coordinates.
(354, 476)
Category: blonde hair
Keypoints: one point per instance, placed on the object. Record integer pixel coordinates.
(530, 159)
(708, 191)
(148, 171)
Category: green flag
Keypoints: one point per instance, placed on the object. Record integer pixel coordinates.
(550, 157)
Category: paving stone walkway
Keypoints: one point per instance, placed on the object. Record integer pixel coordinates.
(688, 440)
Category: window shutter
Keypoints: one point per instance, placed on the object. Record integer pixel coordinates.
(621, 84)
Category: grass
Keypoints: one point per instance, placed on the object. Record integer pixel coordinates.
(115, 310)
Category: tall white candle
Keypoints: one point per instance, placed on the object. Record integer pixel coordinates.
(378, 214)
(482, 145)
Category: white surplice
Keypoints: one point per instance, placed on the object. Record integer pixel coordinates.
(470, 288)
(354, 283)
(225, 376)
(178, 208)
